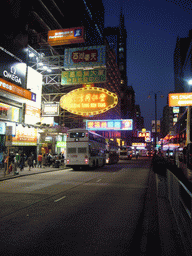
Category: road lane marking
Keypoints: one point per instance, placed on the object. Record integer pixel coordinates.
(98, 180)
(59, 199)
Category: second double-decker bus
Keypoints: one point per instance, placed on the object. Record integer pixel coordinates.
(112, 152)
(85, 149)
(183, 136)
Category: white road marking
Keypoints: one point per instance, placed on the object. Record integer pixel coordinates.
(98, 180)
(59, 199)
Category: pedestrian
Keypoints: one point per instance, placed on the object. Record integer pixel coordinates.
(30, 162)
(39, 159)
(44, 160)
(15, 165)
(22, 162)
(5, 160)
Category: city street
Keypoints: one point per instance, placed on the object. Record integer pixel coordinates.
(65, 212)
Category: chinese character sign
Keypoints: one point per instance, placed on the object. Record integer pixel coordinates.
(146, 135)
(103, 125)
(88, 101)
(78, 58)
(83, 76)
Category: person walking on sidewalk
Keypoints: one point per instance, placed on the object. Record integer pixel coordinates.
(30, 162)
(22, 162)
(39, 159)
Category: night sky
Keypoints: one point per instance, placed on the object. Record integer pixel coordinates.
(152, 30)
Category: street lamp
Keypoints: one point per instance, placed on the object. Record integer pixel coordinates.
(155, 94)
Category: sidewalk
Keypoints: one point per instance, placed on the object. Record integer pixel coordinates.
(25, 172)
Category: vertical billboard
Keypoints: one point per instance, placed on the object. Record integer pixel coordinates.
(85, 57)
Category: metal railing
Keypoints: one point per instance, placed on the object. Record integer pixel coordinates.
(181, 202)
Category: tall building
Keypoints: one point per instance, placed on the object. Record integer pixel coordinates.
(117, 39)
(139, 118)
(182, 73)
(180, 52)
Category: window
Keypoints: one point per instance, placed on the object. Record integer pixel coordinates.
(77, 135)
(71, 150)
(82, 150)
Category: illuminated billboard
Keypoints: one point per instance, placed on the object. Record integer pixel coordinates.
(66, 36)
(50, 109)
(88, 101)
(145, 134)
(83, 76)
(85, 57)
(108, 125)
(17, 90)
(180, 99)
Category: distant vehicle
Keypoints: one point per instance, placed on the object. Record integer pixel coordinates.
(85, 149)
(126, 153)
(150, 153)
(112, 152)
(143, 152)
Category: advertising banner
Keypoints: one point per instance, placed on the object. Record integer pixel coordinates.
(32, 114)
(146, 135)
(83, 76)
(89, 101)
(110, 125)
(50, 108)
(180, 99)
(11, 69)
(25, 136)
(66, 36)
(17, 90)
(85, 57)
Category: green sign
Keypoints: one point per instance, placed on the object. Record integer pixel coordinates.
(83, 76)
(61, 144)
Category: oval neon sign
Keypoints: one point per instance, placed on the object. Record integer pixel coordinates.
(88, 101)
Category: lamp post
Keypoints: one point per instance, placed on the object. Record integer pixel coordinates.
(155, 94)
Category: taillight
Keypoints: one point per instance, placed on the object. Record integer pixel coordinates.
(67, 135)
(86, 159)
(67, 161)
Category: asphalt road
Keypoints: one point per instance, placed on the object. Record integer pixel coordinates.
(97, 212)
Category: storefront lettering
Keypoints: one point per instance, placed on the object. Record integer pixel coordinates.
(7, 86)
(11, 76)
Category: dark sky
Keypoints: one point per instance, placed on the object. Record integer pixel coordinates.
(152, 29)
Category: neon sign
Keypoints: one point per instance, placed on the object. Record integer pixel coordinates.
(103, 125)
(88, 101)
(145, 134)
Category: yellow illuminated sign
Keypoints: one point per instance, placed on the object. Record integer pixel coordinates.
(88, 101)
(180, 99)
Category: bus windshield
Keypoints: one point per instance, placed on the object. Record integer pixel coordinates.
(77, 134)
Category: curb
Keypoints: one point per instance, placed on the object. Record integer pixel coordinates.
(27, 174)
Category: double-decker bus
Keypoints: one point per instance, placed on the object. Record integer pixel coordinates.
(85, 149)
(183, 136)
(112, 152)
